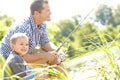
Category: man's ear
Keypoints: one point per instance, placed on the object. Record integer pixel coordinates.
(36, 13)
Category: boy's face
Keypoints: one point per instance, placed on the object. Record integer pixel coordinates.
(21, 46)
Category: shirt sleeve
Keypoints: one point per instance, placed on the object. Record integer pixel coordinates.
(18, 69)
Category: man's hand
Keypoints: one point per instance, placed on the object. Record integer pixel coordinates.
(52, 57)
(61, 56)
(58, 57)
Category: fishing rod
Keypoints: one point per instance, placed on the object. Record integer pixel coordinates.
(62, 57)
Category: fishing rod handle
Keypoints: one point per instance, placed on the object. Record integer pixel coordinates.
(61, 57)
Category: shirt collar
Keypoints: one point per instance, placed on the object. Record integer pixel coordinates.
(34, 26)
(13, 52)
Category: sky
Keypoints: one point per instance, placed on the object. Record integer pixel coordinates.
(61, 9)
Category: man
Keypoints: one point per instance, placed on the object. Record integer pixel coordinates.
(35, 28)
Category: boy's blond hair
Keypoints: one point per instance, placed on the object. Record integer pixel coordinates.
(16, 36)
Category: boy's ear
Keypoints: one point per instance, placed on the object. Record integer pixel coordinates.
(12, 46)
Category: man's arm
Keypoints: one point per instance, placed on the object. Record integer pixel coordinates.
(49, 47)
(42, 57)
(50, 55)
(52, 47)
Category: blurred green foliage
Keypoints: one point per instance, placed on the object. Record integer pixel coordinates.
(5, 22)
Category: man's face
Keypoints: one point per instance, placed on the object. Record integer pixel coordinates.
(45, 13)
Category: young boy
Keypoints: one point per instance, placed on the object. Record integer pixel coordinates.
(15, 66)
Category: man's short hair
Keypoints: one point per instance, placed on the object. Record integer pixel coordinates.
(37, 5)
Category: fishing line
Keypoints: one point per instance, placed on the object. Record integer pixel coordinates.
(77, 27)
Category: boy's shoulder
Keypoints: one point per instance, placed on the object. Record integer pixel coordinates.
(13, 58)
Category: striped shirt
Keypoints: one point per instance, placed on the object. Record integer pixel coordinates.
(36, 35)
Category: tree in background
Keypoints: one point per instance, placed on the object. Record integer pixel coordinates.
(116, 16)
(66, 26)
(5, 22)
(77, 19)
(104, 14)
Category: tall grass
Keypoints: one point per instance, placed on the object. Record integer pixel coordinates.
(103, 64)
(2, 60)
(110, 70)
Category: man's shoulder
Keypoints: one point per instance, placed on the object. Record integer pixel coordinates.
(21, 25)
(23, 22)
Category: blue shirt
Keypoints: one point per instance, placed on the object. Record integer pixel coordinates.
(36, 35)
(14, 65)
